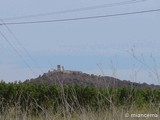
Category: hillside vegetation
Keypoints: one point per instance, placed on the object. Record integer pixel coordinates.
(76, 96)
(84, 79)
(32, 99)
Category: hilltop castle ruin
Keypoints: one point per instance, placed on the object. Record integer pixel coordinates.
(61, 69)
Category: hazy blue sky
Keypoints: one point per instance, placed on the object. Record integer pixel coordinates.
(104, 46)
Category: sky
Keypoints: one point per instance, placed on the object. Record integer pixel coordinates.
(125, 47)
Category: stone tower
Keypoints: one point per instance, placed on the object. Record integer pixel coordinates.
(60, 68)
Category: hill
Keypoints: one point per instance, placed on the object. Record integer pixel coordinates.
(77, 77)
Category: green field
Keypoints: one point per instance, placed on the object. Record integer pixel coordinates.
(28, 101)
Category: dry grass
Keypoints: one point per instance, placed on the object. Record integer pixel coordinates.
(109, 114)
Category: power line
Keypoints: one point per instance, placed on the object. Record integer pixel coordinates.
(24, 49)
(5, 38)
(81, 18)
(78, 9)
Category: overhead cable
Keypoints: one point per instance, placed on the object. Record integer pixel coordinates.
(81, 18)
(24, 49)
(5, 38)
(76, 10)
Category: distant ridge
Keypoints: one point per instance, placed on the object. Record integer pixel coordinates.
(77, 77)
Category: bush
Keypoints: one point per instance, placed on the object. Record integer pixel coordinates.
(36, 98)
